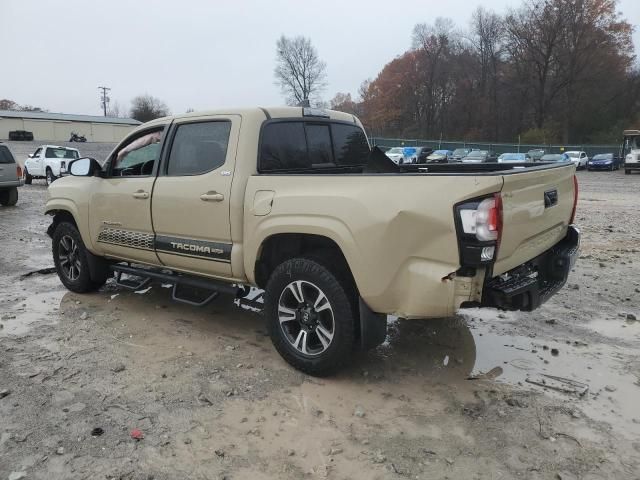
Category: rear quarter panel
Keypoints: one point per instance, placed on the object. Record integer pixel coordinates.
(396, 231)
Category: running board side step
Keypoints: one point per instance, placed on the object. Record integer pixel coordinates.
(212, 288)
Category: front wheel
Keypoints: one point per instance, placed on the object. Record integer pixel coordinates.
(627, 172)
(27, 177)
(50, 177)
(70, 257)
(311, 316)
(9, 198)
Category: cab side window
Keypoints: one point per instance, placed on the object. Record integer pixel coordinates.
(198, 148)
(138, 157)
(37, 153)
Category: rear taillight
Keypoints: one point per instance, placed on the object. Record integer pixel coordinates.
(479, 227)
(575, 199)
(19, 171)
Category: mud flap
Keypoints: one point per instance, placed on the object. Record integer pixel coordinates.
(373, 327)
(98, 267)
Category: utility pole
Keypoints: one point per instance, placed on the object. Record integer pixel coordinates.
(104, 99)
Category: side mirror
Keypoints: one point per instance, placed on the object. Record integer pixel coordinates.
(84, 167)
(31, 155)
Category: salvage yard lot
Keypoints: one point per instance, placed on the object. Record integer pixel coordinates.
(447, 398)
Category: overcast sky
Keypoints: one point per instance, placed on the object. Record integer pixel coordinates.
(203, 54)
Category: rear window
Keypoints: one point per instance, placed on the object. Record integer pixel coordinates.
(319, 146)
(350, 145)
(61, 153)
(296, 146)
(5, 155)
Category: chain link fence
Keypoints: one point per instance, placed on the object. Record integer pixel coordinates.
(591, 150)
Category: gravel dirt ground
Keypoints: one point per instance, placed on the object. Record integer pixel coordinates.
(552, 394)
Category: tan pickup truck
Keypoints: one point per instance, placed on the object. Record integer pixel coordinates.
(294, 201)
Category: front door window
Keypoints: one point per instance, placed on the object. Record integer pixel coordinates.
(139, 157)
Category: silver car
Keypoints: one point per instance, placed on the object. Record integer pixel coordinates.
(10, 177)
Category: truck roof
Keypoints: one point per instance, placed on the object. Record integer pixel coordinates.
(268, 112)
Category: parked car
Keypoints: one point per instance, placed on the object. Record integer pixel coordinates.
(514, 157)
(440, 156)
(10, 177)
(555, 157)
(459, 153)
(396, 154)
(314, 244)
(49, 162)
(536, 153)
(480, 156)
(416, 154)
(20, 135)
(579, 159)
(603, 161)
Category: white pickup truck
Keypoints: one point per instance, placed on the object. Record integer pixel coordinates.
(49, 162)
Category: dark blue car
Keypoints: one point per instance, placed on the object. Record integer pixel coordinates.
(603, 161)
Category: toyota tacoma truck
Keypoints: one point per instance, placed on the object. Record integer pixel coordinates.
(294, 201)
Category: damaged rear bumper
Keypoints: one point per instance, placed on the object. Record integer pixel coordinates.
(529, 285)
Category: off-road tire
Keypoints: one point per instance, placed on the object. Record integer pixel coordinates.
(337, 291)
(27, 177)
(82, 282)
(9, 198)
(50, 177)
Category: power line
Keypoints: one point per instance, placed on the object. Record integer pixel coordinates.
(104, 99)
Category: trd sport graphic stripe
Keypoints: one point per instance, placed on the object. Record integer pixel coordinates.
(215, 251)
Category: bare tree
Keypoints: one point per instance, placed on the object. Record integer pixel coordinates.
(299, 71)
(114, 110)
(486, 39)
(6, 104)
(146, 107)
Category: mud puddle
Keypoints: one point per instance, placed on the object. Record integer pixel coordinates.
(595, 378)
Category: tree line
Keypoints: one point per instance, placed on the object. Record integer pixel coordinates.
(548, 71)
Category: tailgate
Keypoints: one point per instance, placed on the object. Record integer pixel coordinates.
(531, 223)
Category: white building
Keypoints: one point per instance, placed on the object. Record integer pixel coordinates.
(57, 127)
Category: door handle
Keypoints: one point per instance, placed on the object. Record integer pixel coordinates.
(212, 197)
(141, 194)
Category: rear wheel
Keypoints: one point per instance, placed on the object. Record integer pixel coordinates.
(9, 198)
(50, 177)
(310, 315)
(70, 257)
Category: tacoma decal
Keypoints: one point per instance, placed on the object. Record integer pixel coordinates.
(220, 252)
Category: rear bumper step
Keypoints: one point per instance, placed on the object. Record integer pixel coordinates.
(531, 284)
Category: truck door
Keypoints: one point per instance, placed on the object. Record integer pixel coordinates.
(191, 197)
(120, 207)
(35, 164)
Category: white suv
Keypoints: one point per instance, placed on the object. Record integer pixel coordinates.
(49, 162)
(579, 159)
